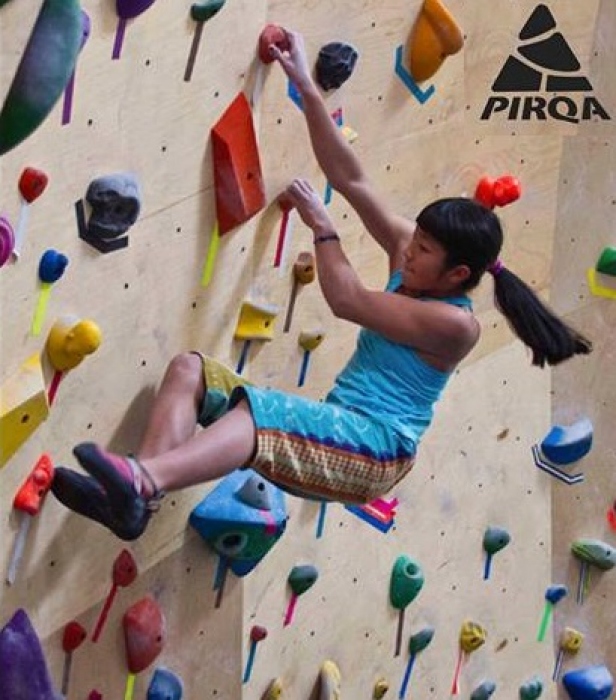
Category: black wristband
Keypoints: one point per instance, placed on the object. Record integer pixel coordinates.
(328, 237)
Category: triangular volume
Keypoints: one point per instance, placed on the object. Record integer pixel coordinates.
(540, 22)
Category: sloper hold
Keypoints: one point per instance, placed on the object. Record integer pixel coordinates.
(23, 669)
(238, 181)
(435, 36)
(144, 633)
(165, 685)
(568, 444)
(46, 66)
(589, 683)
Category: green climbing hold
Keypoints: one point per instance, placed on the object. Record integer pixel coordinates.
(420, 640)
(595, 552)
(495, 539)
(532, 689)
(44, 71)
(201, 12)
(607, 261)
(302, 578)
(407, 579)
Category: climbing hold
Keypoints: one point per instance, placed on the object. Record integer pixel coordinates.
(589, 683)
(435, 36)
(274, 690)
(129, 9)
(70, 341)
(335, 64)
(240, 533)
(607, 262)
(472, 636)
(124, 573)
(255, 322)
(7, 240)
(201, 12)
(254, 492)
(497, 193)
(494, 539)
(238, 181)
(304, 272)
(301, 579)
(73, 637)
(272, 35)
(165, 685)
(45, 68)
(115, 202)
(23, 406)
(51, 266)
(556, 593)
(570, 642)
(595, 552)
(484, 691)
(380, 689)
(144, 633)
(532, 689)
(406, 581)
(32, 183)
(23, 669)
(563, 446)
(552, 596)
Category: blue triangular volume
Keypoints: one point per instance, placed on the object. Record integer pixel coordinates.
(237, 531)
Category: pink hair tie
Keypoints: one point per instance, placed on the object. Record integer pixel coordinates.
(496, 267)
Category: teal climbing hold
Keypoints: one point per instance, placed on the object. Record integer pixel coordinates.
(484, 691)
(532, 689)
(407, 579)
(46, 66)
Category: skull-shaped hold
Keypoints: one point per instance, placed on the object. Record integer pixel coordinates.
(116, 202)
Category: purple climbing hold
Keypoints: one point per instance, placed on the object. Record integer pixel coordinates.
(128, 9)
(23, 669)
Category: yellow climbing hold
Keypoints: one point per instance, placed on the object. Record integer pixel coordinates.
(274, 690)
(256, 322)
(310, 340)
(70, 340)
(435, 36)
(330, 681)
(380, 688)
(23, 407)
(472, 636)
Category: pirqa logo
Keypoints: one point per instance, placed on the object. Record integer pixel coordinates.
(544, 63)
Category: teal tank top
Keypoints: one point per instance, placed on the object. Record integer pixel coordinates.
(390, 381)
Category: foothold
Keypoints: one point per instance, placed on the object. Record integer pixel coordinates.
(435, 36)
(238, 181)
(144, 633)
(129, 9)
(594, 552)
(556, 593)
(606, 264)
(407, 580)
(420, 640)
(255, 322)
(255, 493)
(274, 690)
(116, 202)
(74, 635)
(300, 579)
(494, 539)
(241, 534)
(571, 640)
(30, 496)
(51, 266)
(165, 685)
(7, 240)
(23, 669)
(589, 683)
(498, 193)
(335, 64)
(32, 183)
(70, 341)
(380, 689)
(44, 70)
(484, 691)
(272, 35)
(532, 689)
(201, 12)
(472, 636)
(310, 340)
(23, 406)
(567, 444)
(123, 574)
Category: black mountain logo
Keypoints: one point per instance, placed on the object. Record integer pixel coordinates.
(545, 61)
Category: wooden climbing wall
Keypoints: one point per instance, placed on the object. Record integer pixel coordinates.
(475, 469)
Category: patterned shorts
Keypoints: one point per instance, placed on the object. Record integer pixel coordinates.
(313, 449)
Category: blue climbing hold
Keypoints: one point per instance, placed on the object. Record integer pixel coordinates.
(590, 683)
(165, 685)
(565, 445)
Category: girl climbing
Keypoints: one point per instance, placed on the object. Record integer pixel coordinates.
(363, 438)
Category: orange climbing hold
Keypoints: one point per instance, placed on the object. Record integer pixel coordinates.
(435, 36)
